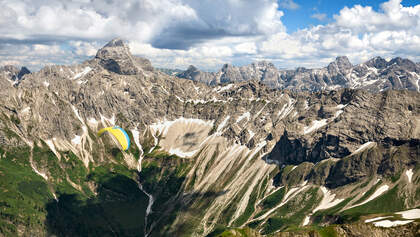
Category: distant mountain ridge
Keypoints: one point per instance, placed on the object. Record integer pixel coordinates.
(374, 75)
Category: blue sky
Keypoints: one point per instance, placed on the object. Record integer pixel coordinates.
(209, 33)
(303, 16)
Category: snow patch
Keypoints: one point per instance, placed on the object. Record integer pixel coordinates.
(289, 195)
(51, 145)
(246, 115)
(180, 153)
(316, 124)
(162, 126)
(222, 124)
(388, 223)
(110, 121)
(409, 174)
(376, 194)
(327, 201)
(364, 146)
(341, 106)
(85, 71)
(306, 105)
(92, 121)
(39, 173)
(136, 137)
(76, 140)
(25, 110)
(287, 108)
(257, 149)
(178, 98)
(338, 113)
(410, 214)
(306, 220)
(76, 112)
(224, 88)
(251, 134)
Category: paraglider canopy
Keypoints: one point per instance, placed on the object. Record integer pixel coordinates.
(119, 134)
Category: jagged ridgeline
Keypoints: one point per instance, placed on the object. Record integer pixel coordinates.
(374, 75)
(240, 159)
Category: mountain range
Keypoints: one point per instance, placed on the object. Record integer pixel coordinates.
(375, 75)
(240, 158)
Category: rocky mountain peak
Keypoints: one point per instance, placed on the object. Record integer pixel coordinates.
(343, 62)
(404, 63)
(301, 69)
(117, 42)
(115, 49)
(23, 71)
(226, 66)
(115, 56)
(340, 65)
(263, 65)
(377, 62)
(192, 68)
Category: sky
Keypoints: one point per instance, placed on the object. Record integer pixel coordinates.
(209, 33)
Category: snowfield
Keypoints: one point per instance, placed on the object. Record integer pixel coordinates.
(410, 214)
(316, 124)
(388, 223)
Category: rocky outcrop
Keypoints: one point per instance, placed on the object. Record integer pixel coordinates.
(410, 230)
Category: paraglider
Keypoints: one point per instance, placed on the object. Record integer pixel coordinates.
(119, 134)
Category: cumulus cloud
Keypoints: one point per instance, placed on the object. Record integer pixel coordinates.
(289, 4)
(394, 17)
(163, 23)
(207, 33)
(319, 16)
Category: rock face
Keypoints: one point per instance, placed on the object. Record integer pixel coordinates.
(241, 154)
(192, 73)
(12, 74)
(116, 57)
(375, 75)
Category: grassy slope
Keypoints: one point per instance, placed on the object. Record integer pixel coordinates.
(23, 194)
(28, 206)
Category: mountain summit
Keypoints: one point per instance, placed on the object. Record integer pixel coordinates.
(117, 42)
(115, 56)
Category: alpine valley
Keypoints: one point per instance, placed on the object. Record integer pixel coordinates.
(246, 151)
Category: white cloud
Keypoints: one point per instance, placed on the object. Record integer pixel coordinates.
(394, 17)
(319, 16)
(149, 21)
(84, 48)
(246, 48)
(289, 4)
(207, 33)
